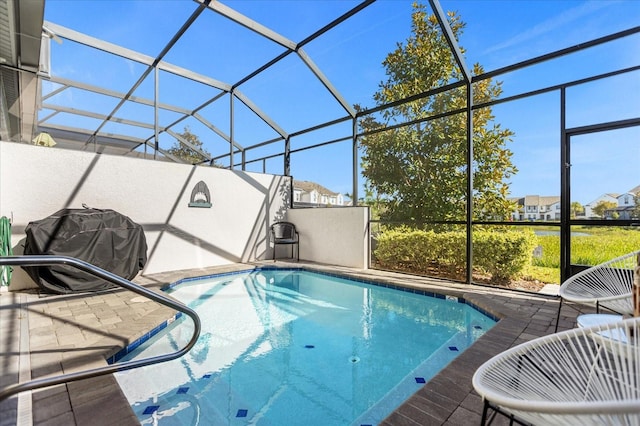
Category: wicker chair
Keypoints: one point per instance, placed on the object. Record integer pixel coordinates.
(582, 376)
(285, 233)
(605, 285)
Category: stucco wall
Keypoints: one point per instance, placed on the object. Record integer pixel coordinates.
(335, 236)
(38, 181)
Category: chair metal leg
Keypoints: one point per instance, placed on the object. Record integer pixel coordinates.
(487, 419)
(558, 317)
(484, 413)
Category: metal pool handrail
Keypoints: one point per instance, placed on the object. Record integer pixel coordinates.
(39, 260)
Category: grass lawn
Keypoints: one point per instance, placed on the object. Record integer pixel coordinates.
(599, 245)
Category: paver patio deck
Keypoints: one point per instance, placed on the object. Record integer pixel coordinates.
(43, 334)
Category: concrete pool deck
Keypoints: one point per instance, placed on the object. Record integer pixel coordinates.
(43, 335)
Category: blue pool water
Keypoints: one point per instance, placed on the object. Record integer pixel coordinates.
(292, 347)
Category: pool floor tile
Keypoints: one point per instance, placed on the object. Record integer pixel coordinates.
(151, 409)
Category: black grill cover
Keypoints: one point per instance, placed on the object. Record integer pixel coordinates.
(104, 238)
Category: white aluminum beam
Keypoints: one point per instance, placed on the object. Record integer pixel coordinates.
(118, 95)
(253, 107)
(325, 81)
(74, 131)
(183, 72)
(189, 144)
(54, 92)
(95, 43)
(216, 130)
(123, 52)
(250, 24)
(90, 114)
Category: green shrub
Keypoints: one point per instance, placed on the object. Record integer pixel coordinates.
(502, 253)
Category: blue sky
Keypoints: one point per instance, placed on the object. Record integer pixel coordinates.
(498, 33)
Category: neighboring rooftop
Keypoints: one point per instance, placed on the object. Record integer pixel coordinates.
(310, 186)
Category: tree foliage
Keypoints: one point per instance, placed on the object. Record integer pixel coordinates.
(601, 208)
(576, 209)
(185, 152)
(418, 170)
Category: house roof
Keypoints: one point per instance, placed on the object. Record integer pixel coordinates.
(613, 195)
(540, 200)
(307, 186)
(634, 191)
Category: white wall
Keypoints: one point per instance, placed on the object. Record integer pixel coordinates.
(335, 236)
(35, 182)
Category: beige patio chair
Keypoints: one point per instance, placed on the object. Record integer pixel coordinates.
(605, 285)
(583, 376)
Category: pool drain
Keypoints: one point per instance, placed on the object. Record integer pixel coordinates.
(354, 359)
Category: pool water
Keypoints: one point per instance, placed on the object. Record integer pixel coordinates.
(293, 347)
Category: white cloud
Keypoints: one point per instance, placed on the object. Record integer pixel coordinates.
(545, 27)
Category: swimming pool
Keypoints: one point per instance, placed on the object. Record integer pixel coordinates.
(289, 346)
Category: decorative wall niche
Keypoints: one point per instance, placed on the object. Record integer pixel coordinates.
(200, 196)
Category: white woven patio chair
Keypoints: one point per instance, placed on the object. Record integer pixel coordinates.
(583, 376)
(605, 285)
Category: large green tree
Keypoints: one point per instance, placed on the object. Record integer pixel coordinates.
(419, 169)
(187, 153)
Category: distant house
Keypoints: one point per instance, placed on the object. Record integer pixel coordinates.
(588, 208)
(626, 205)
(311, 194)
(537, 207)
